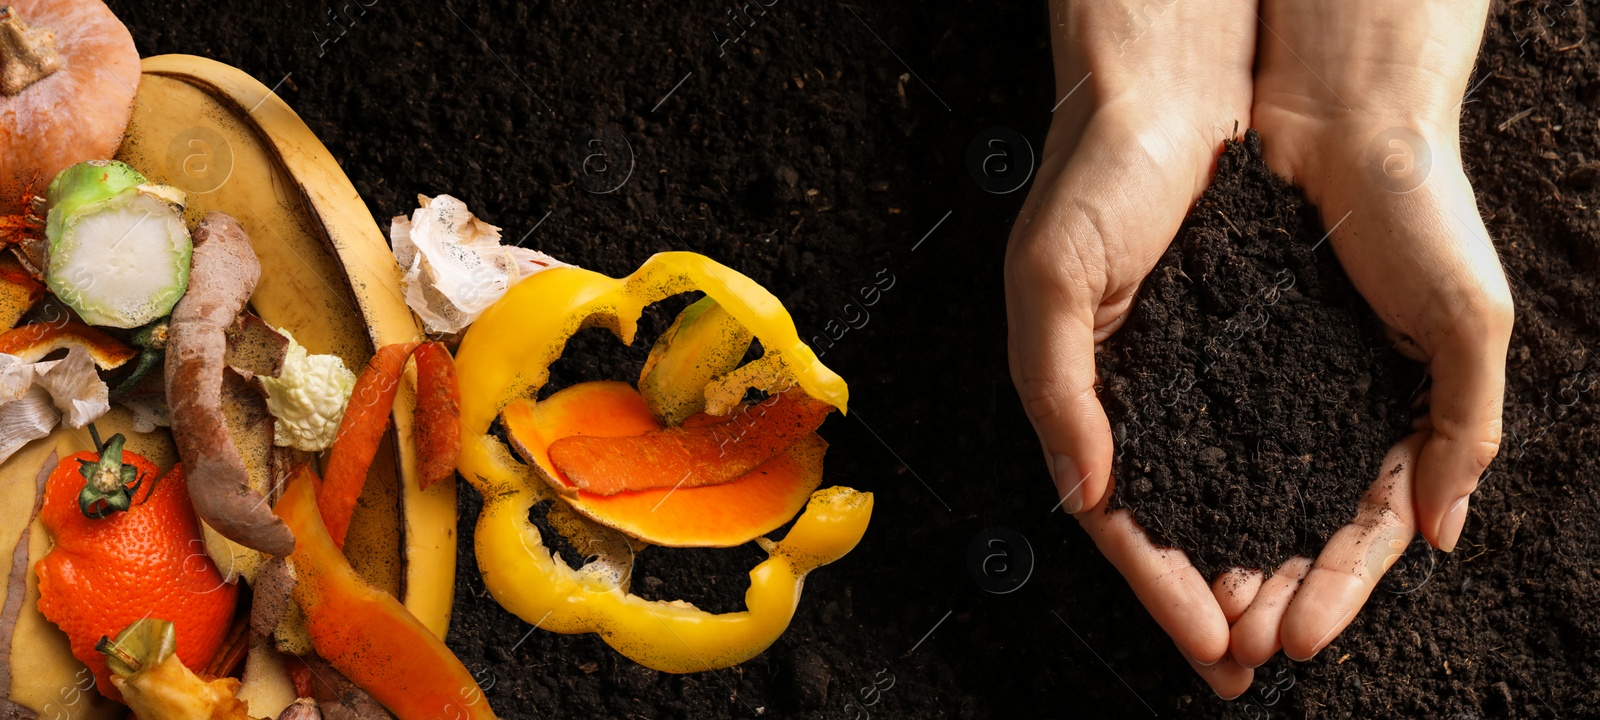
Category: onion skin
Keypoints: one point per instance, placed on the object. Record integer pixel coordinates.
(75, 114)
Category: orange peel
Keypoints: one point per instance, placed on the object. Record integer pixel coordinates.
(33, 342)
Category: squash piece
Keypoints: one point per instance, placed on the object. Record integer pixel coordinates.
(704, 341)
(723, 515)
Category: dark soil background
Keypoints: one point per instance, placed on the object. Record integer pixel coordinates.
(826, 148)
(1237, 461)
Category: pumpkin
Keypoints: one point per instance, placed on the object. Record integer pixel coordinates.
(68, 74)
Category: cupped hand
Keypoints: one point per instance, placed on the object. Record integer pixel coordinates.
(1147, 100)
(1358, 102)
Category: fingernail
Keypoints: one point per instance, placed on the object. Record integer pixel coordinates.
(1069, 484)
(1195, 660)
(1454, 520)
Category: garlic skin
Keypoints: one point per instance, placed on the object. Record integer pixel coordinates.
(74, 387)
(34, 397)
(454, 265)
(302, 709)
(25, 419)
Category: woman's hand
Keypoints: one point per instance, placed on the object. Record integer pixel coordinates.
(1150, 91)
(1358, 102)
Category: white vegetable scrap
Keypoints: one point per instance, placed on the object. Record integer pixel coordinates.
(75, 387)
(36, 396)
(149, 411)
(455, 266)
(308, 398)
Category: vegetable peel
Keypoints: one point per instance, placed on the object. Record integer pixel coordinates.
(367, 417)
(364, 632)
(438, 423)
(33, 342)
(506, 356)
(358, 434)
(672, 637)
(703, 342)
(224, 274)
(722, 515)
(712, 452)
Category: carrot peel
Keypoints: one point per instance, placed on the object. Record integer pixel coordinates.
(366, 417)
(438, 414)
(364, 632)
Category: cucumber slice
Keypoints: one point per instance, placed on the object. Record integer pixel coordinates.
(121, 261)
(85, 183)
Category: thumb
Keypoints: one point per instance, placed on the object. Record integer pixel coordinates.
(1077, 253)
(1051, 352)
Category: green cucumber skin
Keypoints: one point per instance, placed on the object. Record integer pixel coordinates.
(85, 183)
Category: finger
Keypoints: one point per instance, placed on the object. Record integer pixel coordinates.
(1052, 361)
(1404, 344)
(1471, 322)
(1228, 679)
(1234, 590)
(1085, 240)
(1355, 558)
(1255, 634)
(1468, 393)
(1165, 582)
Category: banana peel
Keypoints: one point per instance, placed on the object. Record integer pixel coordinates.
(234, 146)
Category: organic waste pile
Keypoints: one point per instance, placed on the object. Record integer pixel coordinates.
(1252, 393)
(233, 352)
(804, 154)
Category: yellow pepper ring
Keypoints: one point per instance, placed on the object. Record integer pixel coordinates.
(507, 354)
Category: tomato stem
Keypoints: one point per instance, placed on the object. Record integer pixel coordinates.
(110, 485)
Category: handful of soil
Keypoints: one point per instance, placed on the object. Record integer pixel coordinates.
(1252, 393)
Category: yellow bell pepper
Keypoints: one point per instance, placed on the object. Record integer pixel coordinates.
(506, 355)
